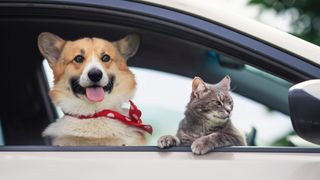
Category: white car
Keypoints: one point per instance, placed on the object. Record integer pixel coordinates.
(179, 40)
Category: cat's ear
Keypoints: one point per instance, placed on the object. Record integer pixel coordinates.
(199, 88)
(225, 83)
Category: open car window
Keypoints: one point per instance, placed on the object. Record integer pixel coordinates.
(164, 75)
(157, 89)
(260, 98)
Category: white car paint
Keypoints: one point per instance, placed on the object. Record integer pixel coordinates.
(311, 87)
(157, 165)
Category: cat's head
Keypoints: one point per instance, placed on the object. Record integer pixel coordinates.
(212, 101)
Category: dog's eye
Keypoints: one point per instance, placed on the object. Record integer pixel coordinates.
(78, 59)
(105, 58)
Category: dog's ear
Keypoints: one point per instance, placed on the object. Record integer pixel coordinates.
(50, 46)
(128, 46)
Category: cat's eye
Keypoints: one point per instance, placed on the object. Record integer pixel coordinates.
(78, 59)
(218, 103)
(105, 58)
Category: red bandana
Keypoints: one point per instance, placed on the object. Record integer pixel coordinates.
(132, 120)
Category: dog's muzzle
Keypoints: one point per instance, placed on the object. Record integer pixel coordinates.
(95, 92)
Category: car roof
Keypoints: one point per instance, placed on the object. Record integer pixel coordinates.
(247, 26)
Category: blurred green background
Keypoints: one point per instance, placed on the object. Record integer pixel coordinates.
(305, 16)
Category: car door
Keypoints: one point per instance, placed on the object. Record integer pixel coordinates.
(173, 42)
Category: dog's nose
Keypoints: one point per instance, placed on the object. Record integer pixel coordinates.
(95, 75)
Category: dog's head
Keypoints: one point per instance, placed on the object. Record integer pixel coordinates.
(90, 74)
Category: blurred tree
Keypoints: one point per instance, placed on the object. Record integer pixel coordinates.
(305, 16)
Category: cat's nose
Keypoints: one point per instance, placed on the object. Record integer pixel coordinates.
(228, 108)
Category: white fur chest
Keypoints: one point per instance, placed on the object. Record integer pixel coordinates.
(106, 131)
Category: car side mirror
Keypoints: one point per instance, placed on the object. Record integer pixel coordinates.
(304, 104)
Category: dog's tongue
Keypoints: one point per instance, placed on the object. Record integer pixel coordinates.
(95, 94)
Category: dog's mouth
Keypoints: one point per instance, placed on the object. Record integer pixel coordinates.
(94, 93)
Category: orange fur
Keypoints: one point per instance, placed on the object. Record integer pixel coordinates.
(66, 67)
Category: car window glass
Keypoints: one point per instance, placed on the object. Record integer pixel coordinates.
(1, 135)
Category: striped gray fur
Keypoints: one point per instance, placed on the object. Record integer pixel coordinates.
(207, 124)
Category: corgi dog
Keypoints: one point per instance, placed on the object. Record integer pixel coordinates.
(91, 76)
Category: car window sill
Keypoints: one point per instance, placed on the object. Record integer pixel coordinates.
(155, 149)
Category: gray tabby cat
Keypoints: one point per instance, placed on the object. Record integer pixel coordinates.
(207, 123)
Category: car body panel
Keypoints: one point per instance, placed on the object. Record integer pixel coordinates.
(89, 163)
(247, 26)
(158, 165)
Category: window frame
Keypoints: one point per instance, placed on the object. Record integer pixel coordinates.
(168, 21)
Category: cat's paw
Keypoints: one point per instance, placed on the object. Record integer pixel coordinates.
(199, 147)
(168, 141)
